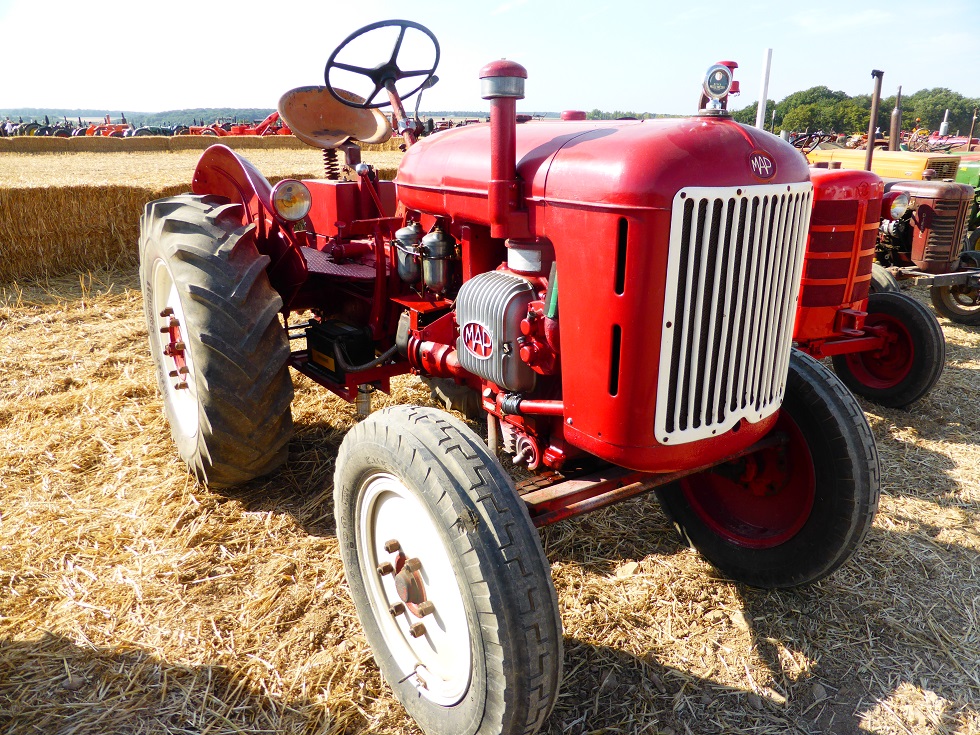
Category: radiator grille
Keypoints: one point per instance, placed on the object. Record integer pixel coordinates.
(733, 277)
(945, 168)
(946, 229)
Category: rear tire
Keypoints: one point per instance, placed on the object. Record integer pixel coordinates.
(908, 367)
(806, 507)
(220, 351)
(959, 304)
(882, 281)
(489, 659)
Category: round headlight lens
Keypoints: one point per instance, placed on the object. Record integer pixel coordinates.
(291, 199)
(897, 204)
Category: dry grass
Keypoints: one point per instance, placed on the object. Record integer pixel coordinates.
(77, 211)
(134, 601)
(103, 144)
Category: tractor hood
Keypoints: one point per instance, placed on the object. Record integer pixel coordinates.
(612, 164)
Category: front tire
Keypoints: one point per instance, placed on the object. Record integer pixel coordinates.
(791, 515)
(959, 304)
(416, 490)
(909, 365)
(215, 337)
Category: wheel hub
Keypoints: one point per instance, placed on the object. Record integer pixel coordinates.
(965, 295)
(414, 590)
(177, 363)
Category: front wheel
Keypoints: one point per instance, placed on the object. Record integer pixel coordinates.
(448, 575)
(791, 514)
(908, 365)
(215, 336)
(959, 304)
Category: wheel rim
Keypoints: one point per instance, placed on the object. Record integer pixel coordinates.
(438, 660)
(889, 366)
(963, 298)
(761, 501)
(181, 389)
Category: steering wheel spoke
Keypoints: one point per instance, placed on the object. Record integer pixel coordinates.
(398, 45)
(364, 71)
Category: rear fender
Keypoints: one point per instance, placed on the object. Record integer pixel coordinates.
(222, 172)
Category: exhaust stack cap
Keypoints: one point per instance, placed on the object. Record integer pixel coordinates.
(502, 78)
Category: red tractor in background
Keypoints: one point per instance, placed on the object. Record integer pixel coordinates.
(110, 129)
(885, 346)
(621, 297)
(922, 240)
(271, 125)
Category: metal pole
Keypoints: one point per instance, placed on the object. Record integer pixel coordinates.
(760, 113)
(895, 132)
(875, 101)
(969, 140)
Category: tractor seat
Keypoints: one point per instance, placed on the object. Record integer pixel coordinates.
(320, 120)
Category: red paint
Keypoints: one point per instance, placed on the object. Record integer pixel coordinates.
(757, 504)
(839, 255)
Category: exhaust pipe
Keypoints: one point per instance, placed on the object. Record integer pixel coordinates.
(875, 101)
(502, 82)
(895, 132)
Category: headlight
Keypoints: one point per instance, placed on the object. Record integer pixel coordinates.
(896, 204)
(291, 199)
(718, 81)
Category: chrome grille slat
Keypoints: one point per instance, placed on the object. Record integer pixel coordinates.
(734, 265)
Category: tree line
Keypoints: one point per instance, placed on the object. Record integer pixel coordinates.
(817, 108)
(820, 108)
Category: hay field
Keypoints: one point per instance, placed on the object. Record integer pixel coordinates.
(67, 212)
(133, 600)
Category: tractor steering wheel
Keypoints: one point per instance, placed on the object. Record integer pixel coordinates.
(386, 73)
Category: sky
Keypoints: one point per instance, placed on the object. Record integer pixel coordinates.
(630, 55)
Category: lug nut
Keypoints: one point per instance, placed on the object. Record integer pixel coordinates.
(425, 608)
(166, 312)
(164, 330)
(397, 609)
(413, 564)
(181, 385)
(417, 630)
(392, 546)
(174, 373)
(385, 567)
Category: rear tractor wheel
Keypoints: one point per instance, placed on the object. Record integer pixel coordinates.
(792, 514)
(911, 361)
(215, 337)
(448, 575)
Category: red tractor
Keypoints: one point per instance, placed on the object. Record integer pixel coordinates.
(885, 346)
(620, 297)
(921, 239)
